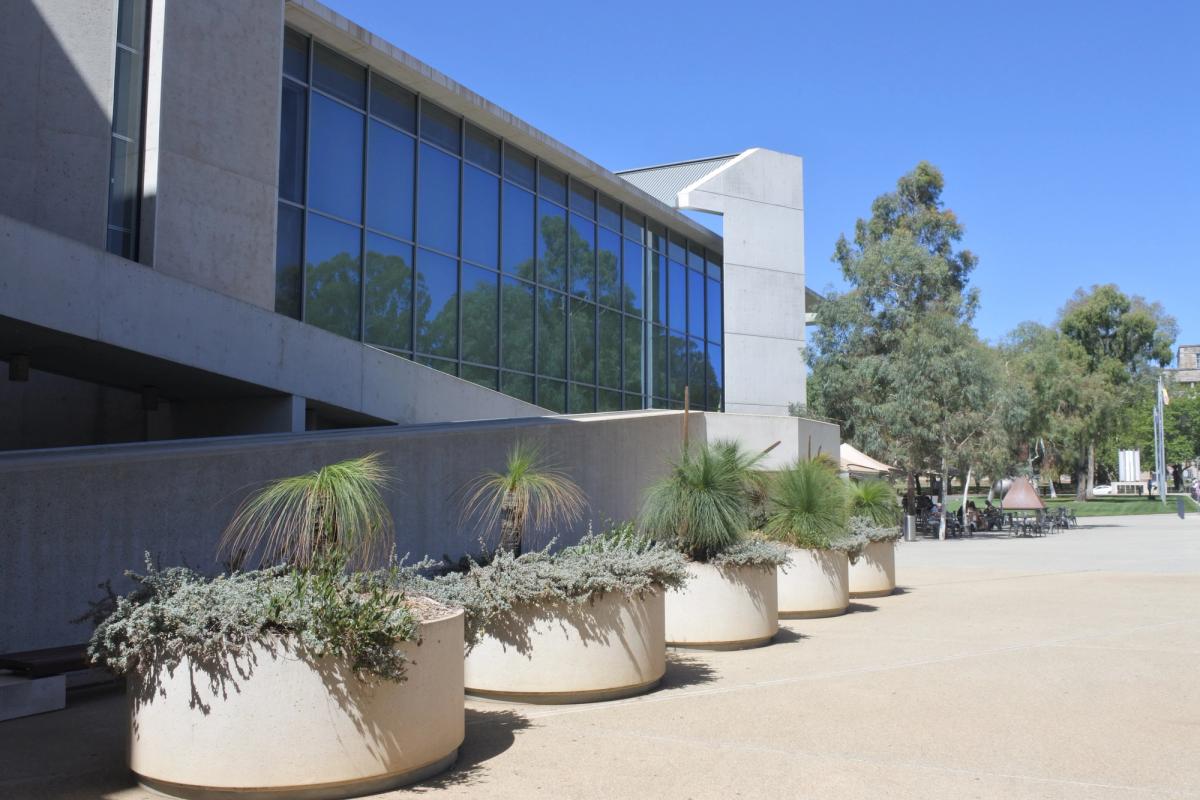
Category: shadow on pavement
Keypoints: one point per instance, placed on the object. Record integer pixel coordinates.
(489, 733)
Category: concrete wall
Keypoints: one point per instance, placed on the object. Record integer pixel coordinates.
(212, 149)
(55, 411)
(57, 59)
(73, 518)
(55, 283)
(760, 194)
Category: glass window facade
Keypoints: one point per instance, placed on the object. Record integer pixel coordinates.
(125, 145)
(407, 227)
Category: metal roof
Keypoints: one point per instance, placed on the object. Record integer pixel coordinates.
(665, 181)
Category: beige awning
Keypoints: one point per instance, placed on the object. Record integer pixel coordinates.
(854, 460)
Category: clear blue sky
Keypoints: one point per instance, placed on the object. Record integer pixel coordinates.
(1069, 132)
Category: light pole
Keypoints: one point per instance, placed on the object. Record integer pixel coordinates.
(1160, 445)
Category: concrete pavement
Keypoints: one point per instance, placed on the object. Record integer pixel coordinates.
(1060, 667)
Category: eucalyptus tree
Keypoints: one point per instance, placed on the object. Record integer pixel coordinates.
(895, 357)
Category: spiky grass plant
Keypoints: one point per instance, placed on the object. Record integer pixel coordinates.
(528, 490)
(808, 506)
(334, 513)
(874, 500)
(703, 504)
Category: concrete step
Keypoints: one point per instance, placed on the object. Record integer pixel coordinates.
(22, 696)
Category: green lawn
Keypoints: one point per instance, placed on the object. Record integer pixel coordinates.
(1104, 506)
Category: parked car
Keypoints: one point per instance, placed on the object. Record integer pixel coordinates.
(1103, 489)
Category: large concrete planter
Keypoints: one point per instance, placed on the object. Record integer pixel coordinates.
(561, 652)
(814, 583)
(874, 574)
(724, 608)
(281, 725)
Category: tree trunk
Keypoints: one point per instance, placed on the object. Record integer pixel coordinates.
(1091, 469)
(510, 526)
(966, 485)
(942, 515)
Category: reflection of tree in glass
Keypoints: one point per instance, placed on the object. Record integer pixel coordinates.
(333, 297)
(438, 335)
(552, 250)
(389, 300)
(517, 309)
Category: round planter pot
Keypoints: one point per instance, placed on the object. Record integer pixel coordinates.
(874, 574)
(282, 725)
(561, 652)
(724, 608)
(814, 583)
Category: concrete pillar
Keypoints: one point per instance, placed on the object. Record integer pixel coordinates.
(760, 194)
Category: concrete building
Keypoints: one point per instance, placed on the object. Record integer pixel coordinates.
(1187, 365)
(259, 220)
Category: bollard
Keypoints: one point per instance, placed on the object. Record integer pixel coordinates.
(910, 528)
(1179, 506)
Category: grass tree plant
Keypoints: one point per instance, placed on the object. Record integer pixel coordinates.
(336, 513)
(874, 500)
(808, 506)
(529, 490)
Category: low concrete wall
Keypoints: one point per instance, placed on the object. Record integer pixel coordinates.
(73, 518)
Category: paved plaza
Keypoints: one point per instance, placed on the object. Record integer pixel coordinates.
(1059, 667)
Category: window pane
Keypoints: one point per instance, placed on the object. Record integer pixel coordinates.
(517, 319)
(390, 172)
(634, 402)
(676, 248)
(437, 209)
(332, 276)
(633, 355)
(292, 122)
(608, 267)
(518, 232)
(714, 265)
(633, 280)
(481, 375)
(610, 212)
(440, 127)
(656, 235)
(479, 314)
(339, 76)
(583, 199)
(609, 401)
(131, 23)
(389, 292)
(481, 216)
(295, 54)
(519, 167)
(677, 297)
(658, 288)
(440, 364)
(393, 103)
(287, 261)
(695, 303)
(583, 257)
(582, 399)
(483, 148)
(437, 304)
(518, 386)
(335, 159)
(119, 243)
(697, 370)
(716, 379)
(715, 308)
(552, 395)
(677, 364)
(127, 95)
(552, 183)
(635, 225)
(658, 362)
(695, 258)
(123, 184)
(552, 334)
(552, 245)
(583, 341)
(609, 353)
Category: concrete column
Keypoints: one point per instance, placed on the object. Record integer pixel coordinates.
(760, 194)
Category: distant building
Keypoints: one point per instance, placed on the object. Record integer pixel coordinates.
(1187, 365)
